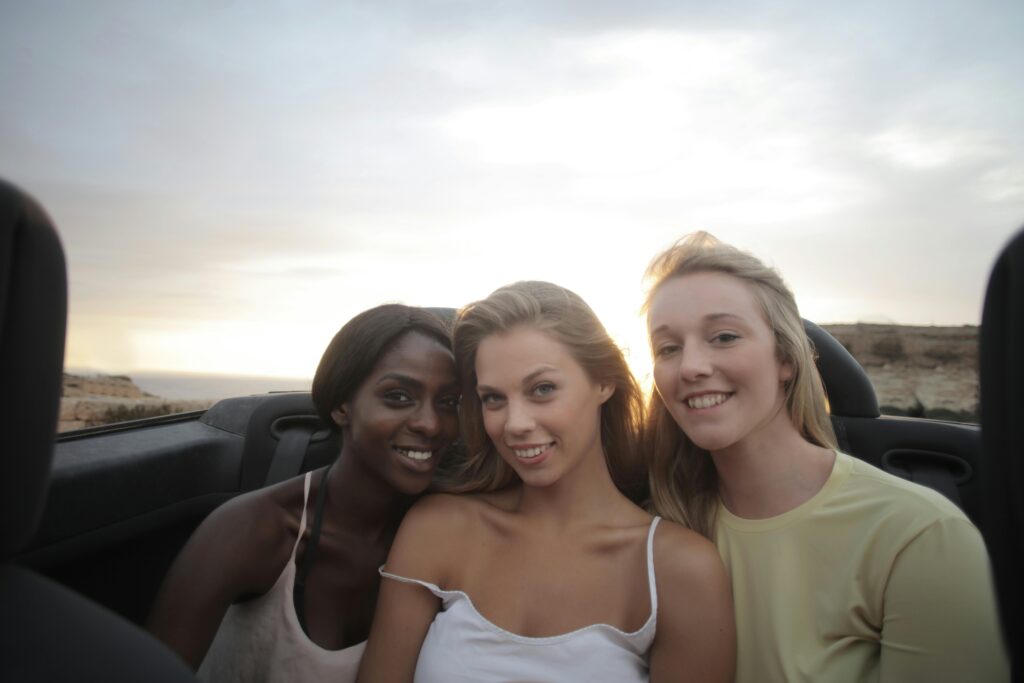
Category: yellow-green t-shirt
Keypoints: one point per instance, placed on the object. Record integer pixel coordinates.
(873, 579)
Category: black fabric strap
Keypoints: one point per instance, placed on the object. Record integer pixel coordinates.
(310, 554)
(289, 454)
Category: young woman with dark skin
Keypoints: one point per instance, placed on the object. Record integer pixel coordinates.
(387, 382)
(546, 570)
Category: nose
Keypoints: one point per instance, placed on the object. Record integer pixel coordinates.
(694, 363)
(519, 419)
(426, 420)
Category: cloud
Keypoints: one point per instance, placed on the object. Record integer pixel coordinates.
(230, 168)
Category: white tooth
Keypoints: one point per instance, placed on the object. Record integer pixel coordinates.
(529, 452)
(707, 400)
(415, 455)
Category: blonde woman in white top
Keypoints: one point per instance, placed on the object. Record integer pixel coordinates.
(546, 570)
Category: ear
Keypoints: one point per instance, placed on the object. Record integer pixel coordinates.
(605, 391)
(340, 415)
(786, 370)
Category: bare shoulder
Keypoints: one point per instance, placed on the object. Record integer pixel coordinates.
(239, 550)
(440, 511)
(259, 518)
(696, 636)
(435, 530)
(248, 539)
(682, 557)
(458, 511)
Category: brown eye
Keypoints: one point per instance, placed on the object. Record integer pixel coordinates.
(397, 397)
(450, 403)
(666, 350)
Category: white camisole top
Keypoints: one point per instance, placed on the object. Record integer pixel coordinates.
(463, 646)
(261, 639)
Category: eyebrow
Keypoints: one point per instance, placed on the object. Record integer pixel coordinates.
(710, 317)
(526, 380)
(719, 316)
(400, 378)
(414, 383)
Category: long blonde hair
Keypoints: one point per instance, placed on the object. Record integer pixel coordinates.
(683, 479)
(564, 316)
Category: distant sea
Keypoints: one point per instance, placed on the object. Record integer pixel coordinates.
(183, 386)
(213, 387)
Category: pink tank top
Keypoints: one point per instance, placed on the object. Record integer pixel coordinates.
(463, 646)
(261, 639)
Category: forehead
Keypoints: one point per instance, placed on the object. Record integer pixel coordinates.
(415, 353)
(694, 297)
(510, 356)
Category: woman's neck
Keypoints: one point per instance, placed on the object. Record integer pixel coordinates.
(361, 502)
(584, 495)
(772, 471)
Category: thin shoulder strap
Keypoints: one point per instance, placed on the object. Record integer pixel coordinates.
(310, 555)
(302, 519)
(650, 566)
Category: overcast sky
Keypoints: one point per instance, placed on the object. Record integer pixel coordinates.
(234, 180)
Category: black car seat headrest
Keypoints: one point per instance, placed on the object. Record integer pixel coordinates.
(446, 314)
(849, 390)
(33, 314)
(1002, 434)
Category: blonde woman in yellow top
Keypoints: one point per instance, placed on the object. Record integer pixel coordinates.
(840, 571)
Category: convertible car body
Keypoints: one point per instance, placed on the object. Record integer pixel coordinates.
(121, 500)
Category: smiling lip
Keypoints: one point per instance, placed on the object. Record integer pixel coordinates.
(418, 458)
(705, 400)
(532, 454)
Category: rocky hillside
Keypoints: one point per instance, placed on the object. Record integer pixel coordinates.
(918, 371)
(88, 401)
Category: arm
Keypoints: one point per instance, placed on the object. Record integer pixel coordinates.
(405, 611)
(238, 550)
(696, 636)
(940, 621)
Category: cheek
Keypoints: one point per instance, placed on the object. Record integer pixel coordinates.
(663, 377)
(493, 424)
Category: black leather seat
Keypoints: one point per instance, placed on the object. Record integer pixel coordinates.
(47, 632)
(1002, 435)
(850, 393)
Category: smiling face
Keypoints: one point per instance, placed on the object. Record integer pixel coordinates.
(540, 408)
(405, 413)
(715, 361)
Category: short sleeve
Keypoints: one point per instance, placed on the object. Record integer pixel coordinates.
(940, 617)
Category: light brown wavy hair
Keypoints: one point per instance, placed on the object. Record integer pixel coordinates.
(683, 479)
(567, 319)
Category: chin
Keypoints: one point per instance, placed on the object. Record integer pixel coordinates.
(538, 479)
(413, 485)
(711, 442)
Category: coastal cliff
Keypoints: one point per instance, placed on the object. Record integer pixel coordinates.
(918, 371)
(89, 401)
